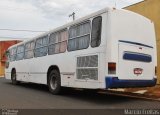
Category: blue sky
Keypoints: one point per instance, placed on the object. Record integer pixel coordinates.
(44, 15)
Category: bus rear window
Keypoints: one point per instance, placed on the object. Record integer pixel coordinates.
(137, 57)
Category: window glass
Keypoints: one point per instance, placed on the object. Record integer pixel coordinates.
(13, 54)
(29, 50)
(7, 53)
(58, 42)
(96, 31)
(32, 45)
(63, 35)
(72, 32)
(79, 36)
(20, 52)
(41, 47)
(53, 38)
(39, 52)
(63, 46)
(39, 43)
(79, 30)
(45, 41)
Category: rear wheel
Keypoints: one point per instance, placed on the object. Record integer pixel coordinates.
(54, 82)
(14, 78)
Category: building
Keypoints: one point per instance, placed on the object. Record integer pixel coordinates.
(151, 10)
(3, 47)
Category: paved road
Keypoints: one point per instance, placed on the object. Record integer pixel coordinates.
(26, 96)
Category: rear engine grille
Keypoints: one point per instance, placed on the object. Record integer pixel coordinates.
(87, 67)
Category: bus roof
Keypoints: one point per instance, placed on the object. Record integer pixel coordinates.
(66, 25)
(73, 23)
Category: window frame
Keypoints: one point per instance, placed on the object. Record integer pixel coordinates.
(14, 54)
(55, 33)
(20, 52)
(75, 25)
(29, 50)
(35, 48)
(100, 32)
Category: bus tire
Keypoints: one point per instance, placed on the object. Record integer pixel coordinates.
(54, 82)
(14, 78)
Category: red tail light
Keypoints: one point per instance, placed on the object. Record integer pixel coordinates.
(111, 68)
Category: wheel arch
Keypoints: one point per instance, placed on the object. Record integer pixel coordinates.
(13, 69)
(52, 67)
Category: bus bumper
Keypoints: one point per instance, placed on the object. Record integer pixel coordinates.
(114, 82)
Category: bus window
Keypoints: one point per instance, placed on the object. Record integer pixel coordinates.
(58, 42)
(7, 54)
(29, 50)
(20, 52)
(79, 36)
(41, 46)
(96, 31)
(13, 54)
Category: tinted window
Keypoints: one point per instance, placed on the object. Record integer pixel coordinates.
(79, 36)
(41, 47)
(29, 50)
(58, 42)
(96, 31)
(20, 52)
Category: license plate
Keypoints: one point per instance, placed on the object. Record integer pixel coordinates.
(138, 71)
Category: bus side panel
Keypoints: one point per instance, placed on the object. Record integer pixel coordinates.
(21, 70)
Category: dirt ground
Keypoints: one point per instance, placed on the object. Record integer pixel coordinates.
(152, 92)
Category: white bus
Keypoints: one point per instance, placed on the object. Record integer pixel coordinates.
(112, 48)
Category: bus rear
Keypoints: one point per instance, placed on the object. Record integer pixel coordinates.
(133, 51)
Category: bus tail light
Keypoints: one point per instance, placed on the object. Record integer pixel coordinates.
(111, 68)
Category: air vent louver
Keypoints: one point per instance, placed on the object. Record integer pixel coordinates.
(87, 67)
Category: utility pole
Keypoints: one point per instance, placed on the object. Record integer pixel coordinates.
(116, 3)
(72, 15)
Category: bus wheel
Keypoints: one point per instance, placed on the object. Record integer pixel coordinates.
(13, 78)
(54, 82)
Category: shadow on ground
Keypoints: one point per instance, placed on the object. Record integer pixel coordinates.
(78, 94)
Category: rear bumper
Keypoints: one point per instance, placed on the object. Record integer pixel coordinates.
(114, 82)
